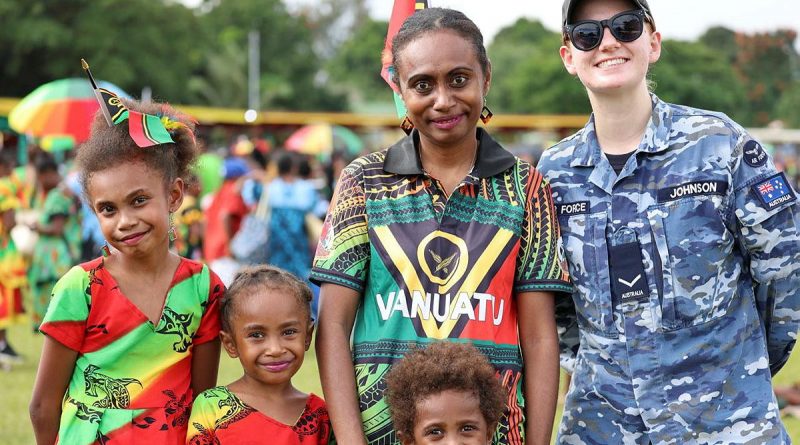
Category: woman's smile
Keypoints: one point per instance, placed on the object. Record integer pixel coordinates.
(448, 122)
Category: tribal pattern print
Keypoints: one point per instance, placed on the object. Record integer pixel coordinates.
(431, 265)
(174, 323)
(115, 391)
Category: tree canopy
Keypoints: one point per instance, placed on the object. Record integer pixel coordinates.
(328, 58)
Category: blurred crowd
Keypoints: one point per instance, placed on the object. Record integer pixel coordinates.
(273, 199)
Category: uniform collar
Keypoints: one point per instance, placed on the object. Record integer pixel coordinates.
(402, 158)
(655, 140)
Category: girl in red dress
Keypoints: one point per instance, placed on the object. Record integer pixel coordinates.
(267, 325)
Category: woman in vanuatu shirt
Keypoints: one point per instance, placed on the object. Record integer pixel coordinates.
(443, 236)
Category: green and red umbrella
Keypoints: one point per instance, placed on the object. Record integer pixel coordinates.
(63, 108)
(316, 139)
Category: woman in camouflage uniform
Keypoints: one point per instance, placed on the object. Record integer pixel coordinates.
(681, 241)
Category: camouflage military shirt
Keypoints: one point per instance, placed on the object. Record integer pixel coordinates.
(686, 283)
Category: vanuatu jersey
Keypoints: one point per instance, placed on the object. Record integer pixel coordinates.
(132, 379)
(219, 417)
(431, 267)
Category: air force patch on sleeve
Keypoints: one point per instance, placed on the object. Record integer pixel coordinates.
(774, 191)
(754, 154)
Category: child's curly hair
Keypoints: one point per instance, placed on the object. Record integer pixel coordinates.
(266, 277)
(109, 146)
(441, 366)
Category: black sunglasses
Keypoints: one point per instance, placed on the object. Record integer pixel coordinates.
(626, 26)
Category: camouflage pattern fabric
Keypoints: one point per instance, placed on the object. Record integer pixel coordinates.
(682, 349)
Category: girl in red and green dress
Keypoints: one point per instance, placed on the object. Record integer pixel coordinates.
(133, 335)
(267, 325)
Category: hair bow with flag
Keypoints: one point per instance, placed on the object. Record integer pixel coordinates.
(146, 130)
(401, 10)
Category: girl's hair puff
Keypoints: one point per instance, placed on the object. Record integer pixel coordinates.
(435, 19)
(262, 277)
(109, 146)
(441, 366)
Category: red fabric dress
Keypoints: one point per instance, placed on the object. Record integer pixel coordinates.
(219, 417)
(132, 378)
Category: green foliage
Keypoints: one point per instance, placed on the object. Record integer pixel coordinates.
(764, 62)
(788, 108)
(723, 40)
(323, 57)
(527, 73)
(357, 64)
(135, 43)
(183, 55)
(692, 73)
(289, 65)
(223, 82)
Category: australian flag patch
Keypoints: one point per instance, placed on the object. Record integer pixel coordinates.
(774, 191)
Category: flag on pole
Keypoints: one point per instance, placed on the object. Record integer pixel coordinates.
(111, 106)
(146, 130)
(98, 93)
(401, 10)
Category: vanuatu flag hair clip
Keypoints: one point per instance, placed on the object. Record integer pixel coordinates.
(146, 130)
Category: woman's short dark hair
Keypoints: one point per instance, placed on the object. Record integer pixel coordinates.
(435, 19)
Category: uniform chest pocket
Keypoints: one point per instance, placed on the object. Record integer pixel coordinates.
(692, 260)
(587, 257)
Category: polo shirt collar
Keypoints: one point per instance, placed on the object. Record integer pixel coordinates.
(402, 158)
(655, 139)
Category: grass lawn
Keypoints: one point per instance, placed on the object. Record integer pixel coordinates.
(16, 386)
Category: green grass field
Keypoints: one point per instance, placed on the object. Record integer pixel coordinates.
(16, 386)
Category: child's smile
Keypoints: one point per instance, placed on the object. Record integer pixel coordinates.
(270, 335)
(132, 206)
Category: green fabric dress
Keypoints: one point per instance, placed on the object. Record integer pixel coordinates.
(53, 256)
(132, 379)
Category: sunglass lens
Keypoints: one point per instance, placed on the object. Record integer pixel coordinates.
(627, 27)
(586, 36)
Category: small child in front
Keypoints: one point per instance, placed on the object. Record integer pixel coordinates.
(445, 393)
(267, 325)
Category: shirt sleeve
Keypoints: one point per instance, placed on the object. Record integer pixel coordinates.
(68, 310)
(343, 251)
(202, 420)
(766, 212)
(539, 264)
(210, 324)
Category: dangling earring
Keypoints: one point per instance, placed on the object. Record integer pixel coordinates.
(172, 235)
(105, 250)
(407, 125)
(486, 113)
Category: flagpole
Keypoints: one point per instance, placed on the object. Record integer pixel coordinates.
(97, 94)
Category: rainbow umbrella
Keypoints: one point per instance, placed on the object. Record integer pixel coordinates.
(318, 139)
(62, 107)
